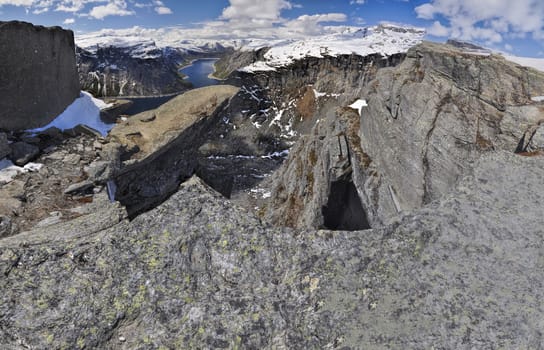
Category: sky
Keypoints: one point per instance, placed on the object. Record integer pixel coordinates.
(510, 26)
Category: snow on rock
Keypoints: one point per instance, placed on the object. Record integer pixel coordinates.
(383, 39)
(358, 105)
(537, 98)
(8, 170)
(84, 110)
(536, 63)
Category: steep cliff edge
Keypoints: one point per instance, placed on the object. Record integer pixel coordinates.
(431, 117)
(427, 121)
(39, 74)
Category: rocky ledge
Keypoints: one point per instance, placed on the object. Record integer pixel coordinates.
(197, 272)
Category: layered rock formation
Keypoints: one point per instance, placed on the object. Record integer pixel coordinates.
(427, 121)
(159, 147)
(39, 74)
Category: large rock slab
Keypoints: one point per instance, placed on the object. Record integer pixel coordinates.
(431, 117)
(150, 131)
(161, 146)
(197, 272)
(39, 74)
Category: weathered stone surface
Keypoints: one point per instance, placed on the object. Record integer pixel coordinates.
(198, 273)
(171, 119)
(79, 188)
(39, 74)
(5, 150)
(429, 118)
(22, 152)
(322, 181)
(161, 153)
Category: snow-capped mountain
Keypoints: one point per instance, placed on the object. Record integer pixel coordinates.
(147, 43)
(383, 39)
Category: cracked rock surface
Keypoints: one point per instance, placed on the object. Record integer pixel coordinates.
(197, 272)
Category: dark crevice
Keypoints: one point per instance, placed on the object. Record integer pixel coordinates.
(344, 210)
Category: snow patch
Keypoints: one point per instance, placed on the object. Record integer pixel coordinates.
(8, 170)
(262, 192)
(536, 63)
(358, 105)
(84, 110)
(537, 98)
(318, 94)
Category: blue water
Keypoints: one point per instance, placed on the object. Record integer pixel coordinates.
(84, 111)
(141, 104)
(197, 73)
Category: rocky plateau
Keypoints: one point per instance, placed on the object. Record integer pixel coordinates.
(274, 212)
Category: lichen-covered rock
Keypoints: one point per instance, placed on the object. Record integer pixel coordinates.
(39, 74)
(197, 272)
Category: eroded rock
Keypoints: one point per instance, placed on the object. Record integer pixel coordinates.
(213, 276)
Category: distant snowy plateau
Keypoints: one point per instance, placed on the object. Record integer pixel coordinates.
(385, 39)
(149, 44)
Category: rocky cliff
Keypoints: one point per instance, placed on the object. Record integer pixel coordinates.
(427, 121)
(451, 259)
(113, 71)
(39, 74)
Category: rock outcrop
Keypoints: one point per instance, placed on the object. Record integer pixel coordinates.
(198, 273)
(159, 147)
(430, 118)
(427, 121)
(39, 74)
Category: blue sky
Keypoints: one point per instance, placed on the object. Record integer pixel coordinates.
(515, 26)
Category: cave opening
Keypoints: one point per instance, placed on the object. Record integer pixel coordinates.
(344, 210)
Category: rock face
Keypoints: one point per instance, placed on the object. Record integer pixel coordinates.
(431, 117)
(160, 146)
(427, 121)
(322, 183)
(39, 74)
(113, 71)
(198, 273)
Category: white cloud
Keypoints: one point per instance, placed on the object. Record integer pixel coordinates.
(16, 2)
(113, 8)
(99, 10)
(254, 13)
(437, 29)
(485, 20)
(357, 2)
(310, 25)
(40, 10)
(163, 10)
(69, 21)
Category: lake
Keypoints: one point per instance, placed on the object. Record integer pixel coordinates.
(86, 109)
(197, 73)
(199, 70)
